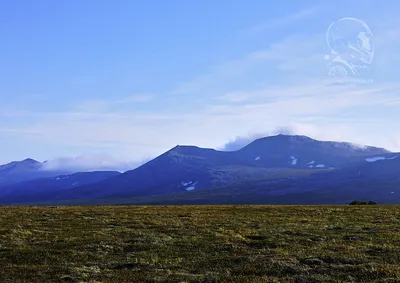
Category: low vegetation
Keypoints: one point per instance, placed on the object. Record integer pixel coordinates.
(357, 202)
(200, 244)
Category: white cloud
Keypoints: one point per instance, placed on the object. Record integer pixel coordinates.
(90, 162)
(240, 141)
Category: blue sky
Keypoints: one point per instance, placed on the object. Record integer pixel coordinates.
(108, 84)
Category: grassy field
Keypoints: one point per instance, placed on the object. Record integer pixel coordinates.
(200, 244)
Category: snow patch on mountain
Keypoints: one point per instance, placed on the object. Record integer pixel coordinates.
(294, 160)
(61, 178)
(374, 159)
(391, 158)
(320, 166)
(192, 187)
(310, 163)
(257, 158)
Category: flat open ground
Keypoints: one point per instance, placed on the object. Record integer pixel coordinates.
(200, 244)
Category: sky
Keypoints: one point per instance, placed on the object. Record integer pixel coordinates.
(99, 84)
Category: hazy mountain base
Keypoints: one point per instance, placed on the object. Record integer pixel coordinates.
(266, 186)
(200, 244)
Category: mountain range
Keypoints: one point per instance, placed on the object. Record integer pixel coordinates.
(281, 169)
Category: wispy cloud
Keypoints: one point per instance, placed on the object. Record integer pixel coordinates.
(281, 22)
(90, 162)
(101, 105)
(296, 57)
(139, 135)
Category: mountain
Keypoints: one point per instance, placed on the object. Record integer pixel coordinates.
(304, 152)
(278, 169)
(28, 169)
(48, 188)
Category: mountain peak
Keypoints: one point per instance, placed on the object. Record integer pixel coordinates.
(291, 136)
(306, 146)
(30, 161)
(190, 148)
(283, 139)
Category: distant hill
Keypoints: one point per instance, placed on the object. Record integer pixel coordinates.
(28, 169)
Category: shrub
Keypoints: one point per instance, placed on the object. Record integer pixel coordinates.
(357, 202)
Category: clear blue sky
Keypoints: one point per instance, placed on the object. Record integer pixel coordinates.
(117, 81)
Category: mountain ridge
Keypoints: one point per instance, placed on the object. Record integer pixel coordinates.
(262, 170)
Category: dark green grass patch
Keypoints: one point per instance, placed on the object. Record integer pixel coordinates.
(200, 244)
